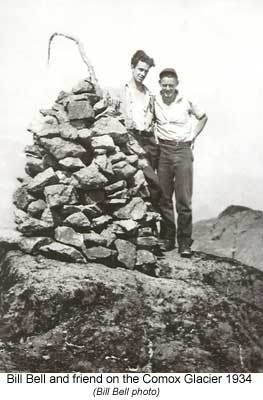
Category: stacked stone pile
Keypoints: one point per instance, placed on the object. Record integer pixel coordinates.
(84, 197)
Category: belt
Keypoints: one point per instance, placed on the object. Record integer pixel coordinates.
(176, 143)
(141, 133)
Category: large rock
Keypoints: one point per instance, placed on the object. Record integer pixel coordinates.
(102, 142)
(123, 170)
(31, 245)
(58, 195)
(45, 178)
(93, 239)
(34, 227)
(236, 233)
(36, 208)
(34, 166)
(135, 209)
(198, 316)
(80, 110)
(22, 198)
(110, 126)
(71, 163)
(101, 255)
(126, 253)
(62, 252)
(60, 148)
(89, 178)
(83, 86)
(78, 221)
(67, 235)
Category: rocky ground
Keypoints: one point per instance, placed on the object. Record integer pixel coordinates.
(236, 233)
(200, 315)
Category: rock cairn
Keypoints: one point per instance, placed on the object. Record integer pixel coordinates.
(84, 197)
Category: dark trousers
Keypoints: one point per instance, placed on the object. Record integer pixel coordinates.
(151, 149)
(175, 172)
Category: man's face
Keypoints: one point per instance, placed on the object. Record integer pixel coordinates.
(168, 87)
(140, 72)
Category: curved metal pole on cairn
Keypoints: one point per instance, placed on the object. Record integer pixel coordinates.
(85, 59)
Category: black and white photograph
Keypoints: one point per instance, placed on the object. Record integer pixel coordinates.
(131, 208)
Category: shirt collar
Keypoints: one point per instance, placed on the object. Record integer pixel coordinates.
(179, 97)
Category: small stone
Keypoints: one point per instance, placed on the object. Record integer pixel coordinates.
(123, 170)
(79, 221)
(100, 255)
(36, 208)
(104, 165)
(138, 179)
(132, 159)
(115, 187)
(58, 195)
(94, 239)
(68, 235)
(34, 150)
(71, 163)
(84, 135)
(61, 148)
(109, 235)
(135, 209)
(89, 178)
(34, 166)
(102, 142)
(145, 257)
(22, 198)
(122, 194)
(47, 216)
(34, 227)
(49, 161)
(91, 211)
(128, 225)
(147, 242)
(31, 245)
(116, 202)
(46, 128)
(117, 157)
(68, 132)
(110, 126)
(83, 86)
(93, 197)
(62, 252)
(101, 221)
(126, 253)
(100, 106)
(64, 177)
(80, 110)
(20, 216)
(38, 183)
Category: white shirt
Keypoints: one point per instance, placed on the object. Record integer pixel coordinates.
(174, 121)
(136, 106)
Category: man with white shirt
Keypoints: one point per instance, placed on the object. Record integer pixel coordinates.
(176, 134)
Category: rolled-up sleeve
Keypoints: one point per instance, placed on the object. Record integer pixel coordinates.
(196, 110)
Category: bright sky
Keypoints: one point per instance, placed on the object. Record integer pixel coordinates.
(215, 46)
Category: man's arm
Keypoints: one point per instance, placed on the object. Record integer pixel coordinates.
(199, 126)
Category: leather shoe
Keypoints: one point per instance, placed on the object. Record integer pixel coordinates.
(166, 244)
(185, 251)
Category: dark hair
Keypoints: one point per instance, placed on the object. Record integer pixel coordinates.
(140, 55)
(170, 72)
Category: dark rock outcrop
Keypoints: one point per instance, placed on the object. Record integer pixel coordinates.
(200, 315)
(236, 233)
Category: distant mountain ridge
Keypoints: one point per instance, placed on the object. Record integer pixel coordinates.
(237, 233)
